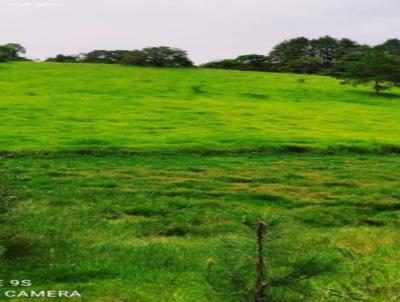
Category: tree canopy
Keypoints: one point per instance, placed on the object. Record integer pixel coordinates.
(287, 52)
(298, 55)
(11, 52)
(391, 47)
(373, 66)
(158, 57)
(105, 56)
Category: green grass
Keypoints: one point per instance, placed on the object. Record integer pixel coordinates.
(130, 180)
(49, 107)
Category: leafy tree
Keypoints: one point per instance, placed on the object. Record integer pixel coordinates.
(346, 46)
(4, 56)
(11, 52)
(158, 57)
(254, 62)
(300, 55)
(135, 57)
(105, 56)
(326, 49)
(167, 57)
(391, 47)
(306, 65)
(288, 51)
(371, 66)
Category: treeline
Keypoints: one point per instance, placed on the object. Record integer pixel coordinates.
(306, 56)
(151, 56)
(298, 55)
(348, 60)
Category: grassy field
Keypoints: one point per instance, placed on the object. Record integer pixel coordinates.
(47, 107)
(140, 184)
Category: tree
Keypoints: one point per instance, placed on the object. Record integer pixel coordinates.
(326, 49)
(391, 47)
(105, 56)
(167, 57)
(11, 52)
(135, 57)
(158, 57)
(286, 52)
(271, 268)
(254, 62)
(346, 46)
(306, 65)
(370, 66)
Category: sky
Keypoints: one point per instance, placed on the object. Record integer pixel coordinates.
(207, 29)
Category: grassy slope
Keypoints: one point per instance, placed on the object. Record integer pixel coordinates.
(47, 107)
(141, 228)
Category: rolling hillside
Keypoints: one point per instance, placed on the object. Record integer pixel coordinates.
(50, 107)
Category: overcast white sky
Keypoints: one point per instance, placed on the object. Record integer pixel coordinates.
(207, 29)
